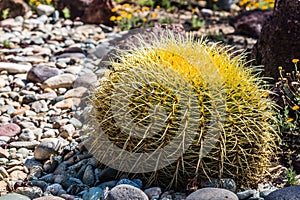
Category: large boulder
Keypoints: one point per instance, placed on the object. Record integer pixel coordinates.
(250, 23)
(89, 11)
(16, 7)
(279, 41)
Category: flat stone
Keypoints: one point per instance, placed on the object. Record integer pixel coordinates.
(68, 103)
(76, 92)
(14, 68)
(212, 194)
(40, 73)
(60, 81)
(3, 153)
(18, 175)
(49, 198)
(24, 144)
(9, 130)
(125, 191)
(14, 196)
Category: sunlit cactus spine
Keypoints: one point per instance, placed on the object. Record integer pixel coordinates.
(194, 104)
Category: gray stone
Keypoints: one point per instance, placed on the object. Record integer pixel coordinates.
(245, 194)
(93, 193)
(54, 189)
(45, 10)
(31, 192)
(153, 193)
(288, 193)
(212, 194)
(88, 176)
(46, 148)
(40, 73)
(27, 135)
(125, 191)
(14, 196)
(3, 153)
(67, 130)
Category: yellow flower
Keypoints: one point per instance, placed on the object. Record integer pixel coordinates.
(37, 3)
(154, 15)
(126, 5)
(295, 107)
(114, 9)
(193, 10)
(289, 119)
(157, 7)
(280, 68)
(295, 60)
(32, 1)
(144, 19)
(112, 18)
(119, 18)
(48, 1)
(123, 13)
(145, 8)
(129, 16)
(138, 11)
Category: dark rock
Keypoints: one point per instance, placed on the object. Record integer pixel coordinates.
(29, 98)
(88, 176)
(40, 73)
(16, 8)
(279, 41)
(288, 193)
(250, 23)
(89, 11)
(107, 174)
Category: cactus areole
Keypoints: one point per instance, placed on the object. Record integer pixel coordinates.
(179, 108)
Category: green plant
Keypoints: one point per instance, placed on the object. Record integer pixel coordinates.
(175, 109)
(5, 13)
(6, 44)
(291, 176)
(66, 12)
(197, 22)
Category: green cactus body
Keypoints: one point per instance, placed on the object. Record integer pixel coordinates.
(178, 108)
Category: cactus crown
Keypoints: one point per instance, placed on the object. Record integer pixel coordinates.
(178, 108)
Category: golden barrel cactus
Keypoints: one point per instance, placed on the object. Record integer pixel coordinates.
(179, 108)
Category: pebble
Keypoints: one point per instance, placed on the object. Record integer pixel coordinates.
(24, 144)
(288, 193)
(60, 81)
(93, 193)
(14, 68)
(125, 191)
(9, 130)
(50, 198)
(3, 153)
(45, 10)
(153, 193)
(212, 194)
(47, 147)
(40, 73)
(32, 192)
